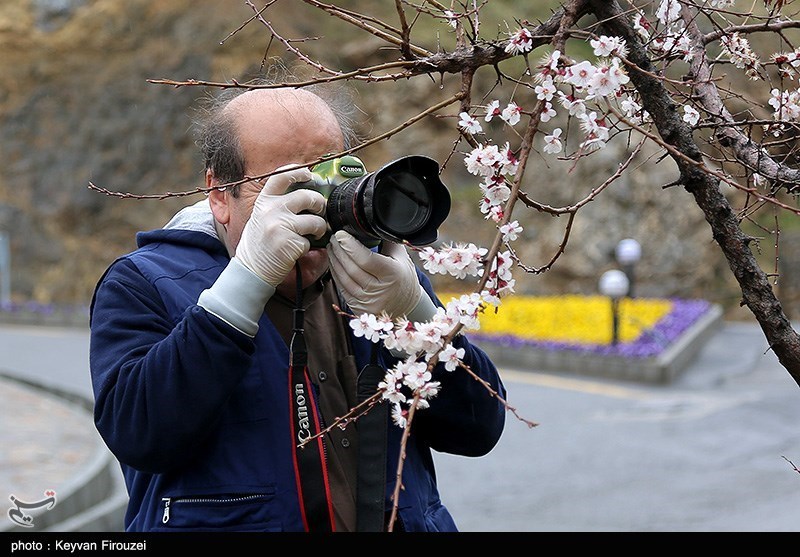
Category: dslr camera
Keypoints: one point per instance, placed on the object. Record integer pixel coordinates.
(404, 201)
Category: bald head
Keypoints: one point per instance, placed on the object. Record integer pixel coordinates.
(254, 132)
(276, 127)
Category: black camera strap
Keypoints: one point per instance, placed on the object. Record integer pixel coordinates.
(311, 471)
(372, 431)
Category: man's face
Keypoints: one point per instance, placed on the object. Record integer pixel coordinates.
(278, 128)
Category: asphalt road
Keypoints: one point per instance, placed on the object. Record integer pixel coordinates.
(709, 453)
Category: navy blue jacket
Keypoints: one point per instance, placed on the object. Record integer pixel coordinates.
(197, 413)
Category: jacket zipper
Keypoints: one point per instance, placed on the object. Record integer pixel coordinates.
(169, 500)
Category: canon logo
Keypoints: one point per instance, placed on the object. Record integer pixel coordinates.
(303, 432)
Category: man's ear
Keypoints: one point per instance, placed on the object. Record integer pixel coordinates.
(218, 199)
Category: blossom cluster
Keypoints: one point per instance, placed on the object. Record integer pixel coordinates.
(418, 342)
(421, 342)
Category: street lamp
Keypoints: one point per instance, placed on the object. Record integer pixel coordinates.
(614, 284)
(5, 270)
(628, 253)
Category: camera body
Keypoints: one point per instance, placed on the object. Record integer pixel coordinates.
(404, 201)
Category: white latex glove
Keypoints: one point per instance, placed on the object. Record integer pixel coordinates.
(372, 282)
(274, 237)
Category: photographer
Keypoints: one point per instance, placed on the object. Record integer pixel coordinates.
(190, 354)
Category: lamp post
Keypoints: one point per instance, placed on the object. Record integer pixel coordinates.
(628, 253)
(5, 270)
(614, 284)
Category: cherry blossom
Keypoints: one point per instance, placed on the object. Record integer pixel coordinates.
(451, 357)
(415, 374)
(510, 231)
(607, 46)
(452, 18)
(579, 75)
(509, 163)
(546, 89)
(575, 106)
(391, 388)
(521, 42)
(786, 104)
(632, 110)
(469, 124)
(607, 79)
(596, 132)
(366, 325)
(690, 115)
(399, 416)
(552, 143)
(460, 260)
(511, 113)
(426, 391)
(483, 159)
(738, 49)
(577, 89)
(668, 12)
(550, 62)
(642, 26)
(492, 110)
(548, 113)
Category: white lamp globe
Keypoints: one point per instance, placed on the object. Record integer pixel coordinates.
(614, 284)
(628, 251)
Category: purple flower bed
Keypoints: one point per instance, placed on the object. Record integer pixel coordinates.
(34, 310)
(651, 342)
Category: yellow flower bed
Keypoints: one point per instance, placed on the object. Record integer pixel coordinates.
(571, 319)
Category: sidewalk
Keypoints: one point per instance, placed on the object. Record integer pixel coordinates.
(50, 451)
(48, 439)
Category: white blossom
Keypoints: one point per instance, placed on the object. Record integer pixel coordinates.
(552, 143)
(548, 113)
(399, 415)
(492, 110)
(511, 113)
(668, 12)
(546, 89)
(607, 46)
(690, 115)
(452, 18)
(579, 75)
(510, 231)
(738, 49)
(469, 123)
(520, 42)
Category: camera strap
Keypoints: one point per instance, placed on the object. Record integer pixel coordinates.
(311, 471)
(372, 431)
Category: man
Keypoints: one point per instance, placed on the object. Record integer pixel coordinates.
(189, 347)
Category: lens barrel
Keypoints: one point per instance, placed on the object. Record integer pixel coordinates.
(404, 201)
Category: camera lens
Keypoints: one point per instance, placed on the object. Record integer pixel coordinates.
(401, 204)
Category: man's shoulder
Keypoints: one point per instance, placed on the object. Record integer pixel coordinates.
(169, 253)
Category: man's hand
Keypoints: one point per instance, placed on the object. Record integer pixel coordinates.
(372, 282)
(274, 237)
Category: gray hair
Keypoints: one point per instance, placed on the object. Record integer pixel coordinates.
(218, 140)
